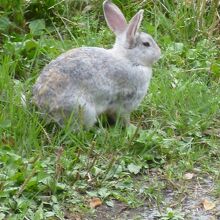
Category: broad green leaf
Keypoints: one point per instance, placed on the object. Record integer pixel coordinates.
(92, 193)
(39, 214)
(176, 47)
(49, 214)
(134, 168)
(110, 203)
(2, 216)
(4, 24)
(37, 27)
(131, 130)
(30, 44)
(5, 124)
(215, 68)
(104, 192)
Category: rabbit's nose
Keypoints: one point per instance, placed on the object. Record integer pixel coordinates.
(159, 52)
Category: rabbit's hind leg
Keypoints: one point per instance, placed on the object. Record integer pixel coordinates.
(125, 119)
(76, 118)
(87, 116)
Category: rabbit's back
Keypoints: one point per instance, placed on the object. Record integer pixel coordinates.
(91, 75)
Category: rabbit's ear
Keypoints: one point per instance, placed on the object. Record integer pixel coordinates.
(134, 25)
(114, 17)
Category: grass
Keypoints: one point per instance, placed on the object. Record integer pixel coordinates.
(46, 171)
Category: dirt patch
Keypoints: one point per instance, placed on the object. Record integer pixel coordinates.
(187, 202)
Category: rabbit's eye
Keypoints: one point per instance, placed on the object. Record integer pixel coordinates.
(146, 44)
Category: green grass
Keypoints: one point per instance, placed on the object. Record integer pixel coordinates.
(46, 170)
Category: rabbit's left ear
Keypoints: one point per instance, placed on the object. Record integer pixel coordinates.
(114, 17)
(134, 26)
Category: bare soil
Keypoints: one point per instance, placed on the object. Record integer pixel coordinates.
(187, 199)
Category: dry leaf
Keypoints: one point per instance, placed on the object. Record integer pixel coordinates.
(8, 141)
(95, 202)
(208, 205)
(188, 176)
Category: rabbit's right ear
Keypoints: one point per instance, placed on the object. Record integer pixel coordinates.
(114, 17)
(134, 25)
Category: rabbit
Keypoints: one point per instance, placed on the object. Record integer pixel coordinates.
(83, 83)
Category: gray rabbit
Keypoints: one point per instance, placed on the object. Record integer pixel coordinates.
(85, 82)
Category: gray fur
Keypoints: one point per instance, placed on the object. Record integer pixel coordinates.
(88, 81)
